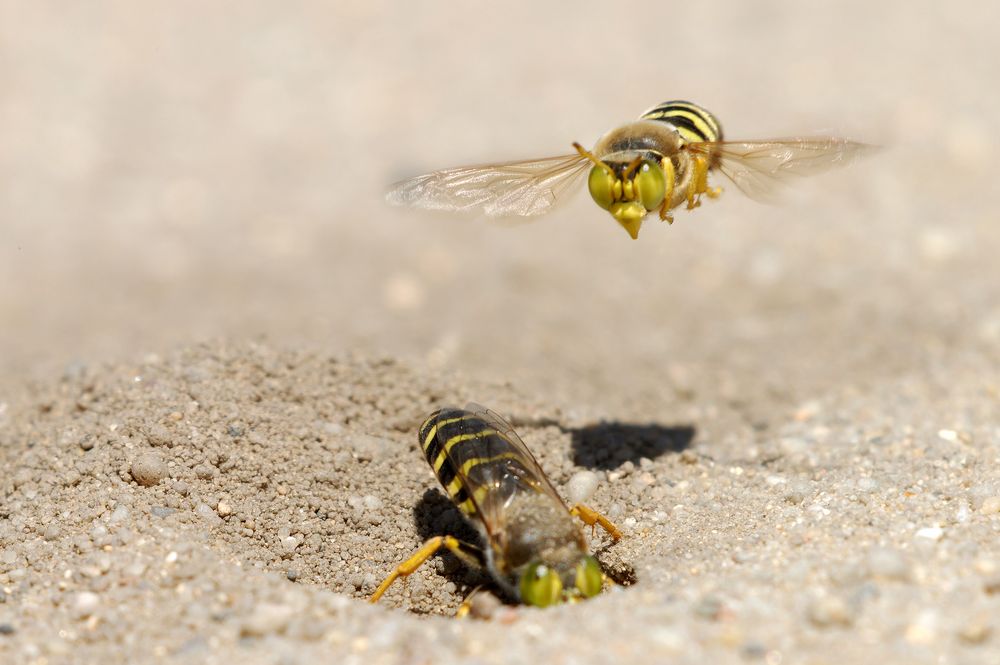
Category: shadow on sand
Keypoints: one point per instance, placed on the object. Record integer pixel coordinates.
(609, 445)
(435, 515)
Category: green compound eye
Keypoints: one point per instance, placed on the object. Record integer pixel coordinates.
(588, 577)
(650, 185)
(602, 186)
(540, 586)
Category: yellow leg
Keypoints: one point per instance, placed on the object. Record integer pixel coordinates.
(699, 183)
(464, 551)
(592, 518)
(466, 606)
(671, 178)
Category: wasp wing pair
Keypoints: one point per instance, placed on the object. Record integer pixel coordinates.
(533, 187)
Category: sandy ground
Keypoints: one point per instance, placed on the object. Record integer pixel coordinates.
(217, 343)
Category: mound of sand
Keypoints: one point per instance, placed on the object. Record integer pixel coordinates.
(236, 501)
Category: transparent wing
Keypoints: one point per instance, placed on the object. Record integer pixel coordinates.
(496, 468)
(514, 189)
(760, 168)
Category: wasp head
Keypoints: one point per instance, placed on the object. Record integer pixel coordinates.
(628, 190)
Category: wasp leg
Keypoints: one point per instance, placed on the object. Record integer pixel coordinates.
(698, 184)
(593, 519)
(470, 554)
(466, 606)
(671, 178)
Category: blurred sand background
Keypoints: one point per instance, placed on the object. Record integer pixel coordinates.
(173, 173)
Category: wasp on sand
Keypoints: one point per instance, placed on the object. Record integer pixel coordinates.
(534, 547)
(656, 163)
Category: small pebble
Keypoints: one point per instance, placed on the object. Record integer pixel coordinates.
(740, 556)
(341, 459)
(204, 471)
(289, 544)
(158, 435)
(52, 532)
(830, 611)
(6, 629)
(149, 469)
(135, 569)
(223, 508)
(708, 607)
(292, 574)
(483, 605)
(120, 514)
(209, 515)
(948, 435)
(162, 511)
(867, 484)
(581, 486)
(403, 292)
(930, 533)
(976, 630)
(367, 447)
(796, 491)
(985, 566)
(99, 535)
(85, 604)
(923, 629)
(887, 564)
(991, 585)
(991, 505)
(267, 618)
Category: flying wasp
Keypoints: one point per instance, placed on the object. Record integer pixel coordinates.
(656, 163)
(534, 547)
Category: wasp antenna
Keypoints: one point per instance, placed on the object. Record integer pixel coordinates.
(631, 168)
(589, 155)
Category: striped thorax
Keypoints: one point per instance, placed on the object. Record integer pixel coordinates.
(692, 122)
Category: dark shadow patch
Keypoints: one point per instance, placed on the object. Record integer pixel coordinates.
(435, 515)
(609, 445)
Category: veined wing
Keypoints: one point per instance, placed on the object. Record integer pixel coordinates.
(760, 168)
(513, 189)
(532, 472)
(482, 463)
(502, 481)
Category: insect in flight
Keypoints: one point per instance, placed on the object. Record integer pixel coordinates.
(656, 163)
(534, 547)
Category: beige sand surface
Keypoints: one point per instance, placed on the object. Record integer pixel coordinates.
(792, 410)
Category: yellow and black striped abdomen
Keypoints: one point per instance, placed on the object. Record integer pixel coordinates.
(694, 123)
(475, 461)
